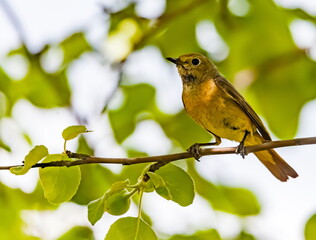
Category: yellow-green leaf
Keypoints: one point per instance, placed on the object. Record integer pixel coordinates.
(78, 233)
(72, 132)
(178, 183)
(310, 228)
(33, 157)
(125, 229)
(59, 183)
(97, 207)
(96, 210)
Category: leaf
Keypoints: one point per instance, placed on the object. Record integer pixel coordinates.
(74, 46)
(245, 236)
(96, 210)
(94, 180)
(118, 203)
(310, 228)
(72, 132)
(183, 129)
(117, 187)
(237, 201)
(156, 179)
(42, 89)
(60, 184)
(241, 200)
(178, 183)
(4, 146)
(78, 233)
(33, 157)
(164, 192)
(125, 229)
(138, 98)
(291, 77)
(211, 234)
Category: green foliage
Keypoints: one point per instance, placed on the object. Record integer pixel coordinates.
(245, 236)
(73, 131)
(211, 234)
(94, 180)
(310, 228)
(126, 229)
(12, 201)
(181, 128)
(118, 203)
(110, 202)
(260, 46)
(138, 99)
(46, 90)
(178, 185)
(33, 157)
(78, 233)
(74, 46)
(60, 184)
(237, 201)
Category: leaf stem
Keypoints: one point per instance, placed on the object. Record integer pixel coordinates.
(141, 192)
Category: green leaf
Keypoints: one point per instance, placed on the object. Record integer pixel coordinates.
(156, 179)
(78, 233)
(183, 129)
(59, 183)
(310, 228)
(237, 201)
(94, 180)
(294, 77)
(164, 192)
(118, 203)
(4, 146)
(241, 200)
(138, 99)
(96, 210)
(125, 229)
(74, 46)
(97, 207)
(41, 88)
(72, 132)
(211, 234)
(179, 184)
(33, 157)
(245, 236)
(117, 187)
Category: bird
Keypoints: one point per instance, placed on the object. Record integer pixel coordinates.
(215, 104)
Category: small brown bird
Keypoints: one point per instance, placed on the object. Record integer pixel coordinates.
(216, 105)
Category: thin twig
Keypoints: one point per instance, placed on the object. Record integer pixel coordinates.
(164, 159)
(14, 20)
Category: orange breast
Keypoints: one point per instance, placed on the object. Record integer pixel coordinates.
(215, 111)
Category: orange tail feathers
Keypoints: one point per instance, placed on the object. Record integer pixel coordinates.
(276, 165)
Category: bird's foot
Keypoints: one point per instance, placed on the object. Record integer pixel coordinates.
(241, 150)
(196, 151)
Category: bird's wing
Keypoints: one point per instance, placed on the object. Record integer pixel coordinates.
(227, 87)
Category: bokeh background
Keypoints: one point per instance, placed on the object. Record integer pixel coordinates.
(102, 64)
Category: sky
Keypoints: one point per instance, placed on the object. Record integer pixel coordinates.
(285, 207)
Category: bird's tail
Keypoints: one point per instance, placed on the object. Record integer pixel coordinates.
(276, 165)
(273, 162)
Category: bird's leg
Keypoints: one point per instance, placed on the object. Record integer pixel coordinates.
(241, 147)
(196, 149)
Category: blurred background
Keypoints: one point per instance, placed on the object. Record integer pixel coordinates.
(102, 64)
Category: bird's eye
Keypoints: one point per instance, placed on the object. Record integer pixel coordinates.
(195, 61)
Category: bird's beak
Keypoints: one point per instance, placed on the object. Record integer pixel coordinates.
(176, 61)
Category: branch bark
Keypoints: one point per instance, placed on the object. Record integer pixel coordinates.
(164, 159)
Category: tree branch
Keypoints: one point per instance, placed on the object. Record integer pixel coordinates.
(17, 24)
(164, 159)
